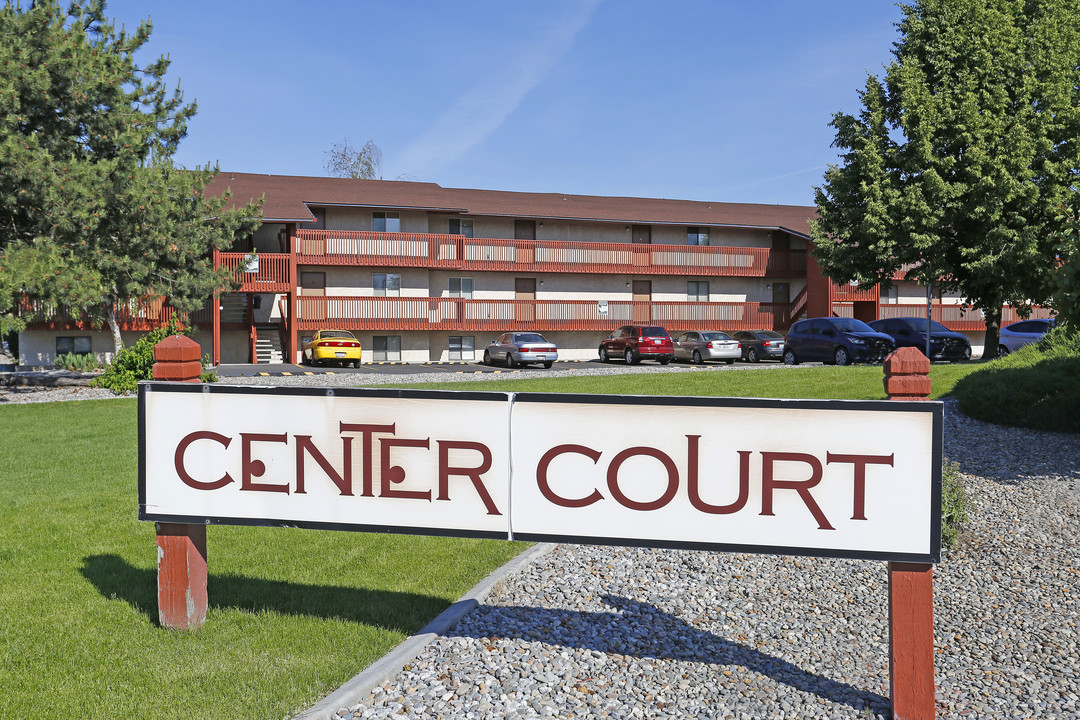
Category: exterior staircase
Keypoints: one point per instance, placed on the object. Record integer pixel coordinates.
(268, 345)
(233, 308)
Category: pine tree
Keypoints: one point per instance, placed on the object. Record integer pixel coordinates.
(93, 213)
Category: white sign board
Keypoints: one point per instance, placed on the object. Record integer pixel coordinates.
(831, 478)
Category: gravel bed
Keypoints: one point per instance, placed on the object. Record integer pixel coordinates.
(608, 632)
(601, 632)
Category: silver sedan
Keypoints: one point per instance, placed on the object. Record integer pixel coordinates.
(699, 346)
(521, 348)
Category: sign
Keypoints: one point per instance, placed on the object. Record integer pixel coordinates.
(831, 478)
(601, 307)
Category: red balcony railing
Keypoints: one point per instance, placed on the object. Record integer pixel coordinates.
(957, 317)
(380, 313)
(850, 293)
(270, 276)
(332, 247)
(133, 316)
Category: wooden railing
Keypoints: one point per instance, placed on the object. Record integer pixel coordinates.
(957, 317)
(380, 313)
(133, 316)
(272, 275)
(333, 247)
(849, 293)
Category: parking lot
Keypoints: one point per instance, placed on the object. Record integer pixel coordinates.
(401, 368)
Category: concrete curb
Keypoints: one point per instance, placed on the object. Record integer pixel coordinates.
(386, 667)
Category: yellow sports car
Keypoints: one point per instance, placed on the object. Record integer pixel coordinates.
(327, 346)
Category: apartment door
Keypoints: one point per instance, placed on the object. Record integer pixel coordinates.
(781, 298)
(524, 229)
(524, 295)
(524, 253)
(641, 312)
(313, 284)
(641, 235)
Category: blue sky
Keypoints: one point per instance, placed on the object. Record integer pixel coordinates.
(719, 100)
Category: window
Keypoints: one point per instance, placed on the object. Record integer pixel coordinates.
(385, 221)
(697, 236)
(78, 345)
(697, 290)
(386, 348)
(386, 284)
(890, 295)
(461, 287)
(461, 347)
(461, 226)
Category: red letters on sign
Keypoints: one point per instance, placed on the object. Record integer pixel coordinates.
(391, 475)
(769, 481)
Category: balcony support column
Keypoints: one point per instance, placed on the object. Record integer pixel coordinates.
(215, 318)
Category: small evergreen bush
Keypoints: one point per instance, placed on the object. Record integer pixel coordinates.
(1034, 387)
(136, 363)
(954, 503)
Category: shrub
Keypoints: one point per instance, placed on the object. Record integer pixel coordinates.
(954, 503)
(136, 363)
(1034, 387)
(77, 362)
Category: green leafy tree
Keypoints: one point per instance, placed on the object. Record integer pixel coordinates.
(957, 164)
(345, 161)
(93, 213)
(1066, 285)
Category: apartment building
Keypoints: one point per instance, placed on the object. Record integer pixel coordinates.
(423, 273)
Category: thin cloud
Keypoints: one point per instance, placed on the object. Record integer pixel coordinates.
(483, 110)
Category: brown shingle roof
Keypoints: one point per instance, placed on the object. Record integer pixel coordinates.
(287, 198)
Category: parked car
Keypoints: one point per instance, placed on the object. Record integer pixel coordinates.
(759, 344)
(1015, 336)
(339, 346)
(634, 343)
(911, 332)
(836, 340)
(698, 346)
(517, 349)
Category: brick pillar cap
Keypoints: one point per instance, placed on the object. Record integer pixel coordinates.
(907, 361)
(177, 348)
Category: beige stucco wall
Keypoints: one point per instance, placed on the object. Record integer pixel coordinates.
(37, 348)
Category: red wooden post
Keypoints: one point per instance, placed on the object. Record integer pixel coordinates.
(911, 585)
(182, 596)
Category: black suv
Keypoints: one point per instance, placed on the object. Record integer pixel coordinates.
(837, 340)
(911, 332)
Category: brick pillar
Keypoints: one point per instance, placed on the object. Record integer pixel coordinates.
(182, 596)
(911, 585)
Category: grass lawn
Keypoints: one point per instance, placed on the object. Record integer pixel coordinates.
(293, 613)
(856, 382)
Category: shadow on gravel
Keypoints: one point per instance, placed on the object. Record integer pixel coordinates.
(643, 631)
(117, 579)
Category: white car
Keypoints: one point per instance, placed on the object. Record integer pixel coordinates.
(517, 349)
(1015, 336)
(699, 346)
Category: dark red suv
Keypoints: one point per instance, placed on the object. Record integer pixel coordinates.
(636, 342)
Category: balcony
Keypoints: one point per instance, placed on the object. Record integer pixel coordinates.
(132, 316)
(960, 318)
(453, 314)
(455, 252)
(269, 275)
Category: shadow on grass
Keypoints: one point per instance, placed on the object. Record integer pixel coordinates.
(641, 630)
(115, 578)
